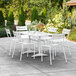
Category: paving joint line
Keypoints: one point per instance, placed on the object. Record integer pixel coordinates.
(60, 71)
(38, 69)
(72, 62)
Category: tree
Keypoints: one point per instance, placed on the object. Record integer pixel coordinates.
(73, 18)
(34, 15)
(49, 9)
(3, 3)
(66, 21)
(43, 16)
(14, 5)
(2, 21)
(10, 19)
(21, 20)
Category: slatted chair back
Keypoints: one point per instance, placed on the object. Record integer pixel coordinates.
(16, 34)
(66, 31)
(58, 38)
(8, 32)
(21, 28)
(50, 29)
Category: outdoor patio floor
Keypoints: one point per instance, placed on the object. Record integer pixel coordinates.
(29, 67)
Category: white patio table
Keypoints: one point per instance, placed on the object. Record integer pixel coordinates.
(39, 35)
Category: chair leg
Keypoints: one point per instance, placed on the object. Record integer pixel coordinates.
(64, 55)
(27, 52)
(10, 48)
(21, 52)
(41, 55)
(21, 56)
(13, 53)
(20, 49)
(50, 56)
(34, 51)
(69, 50)
(13, 50)
(42, 58)
(53, 54)
(55, 51)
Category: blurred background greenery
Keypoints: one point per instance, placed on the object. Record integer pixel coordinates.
(41, 13)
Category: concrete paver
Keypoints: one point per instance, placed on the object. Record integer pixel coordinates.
(30, 67)
(63, 73)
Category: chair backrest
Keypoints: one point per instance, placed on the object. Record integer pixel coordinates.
(21, 28)
(24, 37)
(8, 32)
(16, 34)
(50, 29)
(58, 38)
(66, 31)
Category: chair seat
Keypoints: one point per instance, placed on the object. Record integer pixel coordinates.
(27, 43)
(28, 51)
(49, 45)
(39, 54)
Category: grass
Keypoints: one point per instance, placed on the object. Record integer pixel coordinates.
(72, 35)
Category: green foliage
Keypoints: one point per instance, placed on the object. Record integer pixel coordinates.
(58, 3)
(40, 26)
(73, 17)
(52, 10)
(21, 20)
(3, 3)
(44, 3)
(34, 22)
(43, 16)
(65, 19)
(28, 4)
(34, 15)
(15, 5)
(72, 35)
(2, 21)
(33, 25)
(49, 9)
(2, 32)
(10, 19)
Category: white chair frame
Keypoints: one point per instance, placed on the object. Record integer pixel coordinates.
(21, 28)
(8, 32)
(59, 39)
(54, 42)
(8, 35)
(23, 43)
(51, 29)
(66, 31)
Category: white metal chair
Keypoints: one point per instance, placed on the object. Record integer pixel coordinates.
(25, 43)
(46, 44)
(37, 41)
(29, 44)
(8, 32)
(66, 31)
(55, 41)
(9, 39)
(15, 41)
(59, 39)
(12, 42)
(49, 44)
